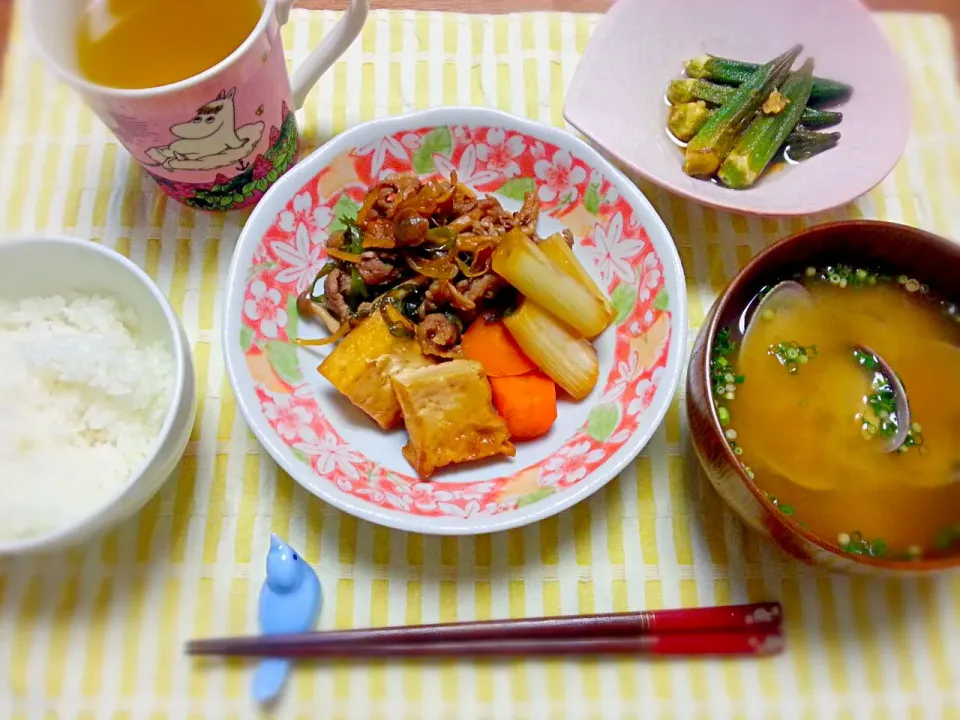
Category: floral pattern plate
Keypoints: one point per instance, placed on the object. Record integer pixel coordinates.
(333, 449)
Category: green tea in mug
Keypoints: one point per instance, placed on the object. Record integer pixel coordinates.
(137, 44)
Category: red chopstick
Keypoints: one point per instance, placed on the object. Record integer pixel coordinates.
(672, 645)
(714, 625)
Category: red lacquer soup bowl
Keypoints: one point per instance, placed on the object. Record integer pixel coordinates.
(894, 249)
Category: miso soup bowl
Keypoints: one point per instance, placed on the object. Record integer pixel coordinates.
(897, 249)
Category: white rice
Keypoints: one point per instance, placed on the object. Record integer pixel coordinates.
(81, 405)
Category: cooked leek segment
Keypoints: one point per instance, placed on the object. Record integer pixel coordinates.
(561, 254)
(521, 263)
(570, 361)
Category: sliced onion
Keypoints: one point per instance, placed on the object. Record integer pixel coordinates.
(397, 324)
(340, 333)
(466, 220)
(368, 201)
(472, 272)
(475, 243)
(440, 269)
(427, 200)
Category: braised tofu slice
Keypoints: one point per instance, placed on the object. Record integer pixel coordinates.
(449, 415)
(361, 365)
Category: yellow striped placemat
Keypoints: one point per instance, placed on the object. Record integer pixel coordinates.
(97, 632)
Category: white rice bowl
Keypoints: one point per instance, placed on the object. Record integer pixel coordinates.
(82, 402)
(97, 391)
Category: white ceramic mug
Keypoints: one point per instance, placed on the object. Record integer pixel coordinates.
(217, 140)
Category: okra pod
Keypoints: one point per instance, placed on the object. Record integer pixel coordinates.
(685, 120)
(767, 133)
(803, 144)
(736, 72)
(693, 89)
(707, 150)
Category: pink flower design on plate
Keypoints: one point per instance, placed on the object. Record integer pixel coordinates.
(302, 257)
(493, 508)
(649, 275)
(289, 419)
(266, 306)
(260, 256)
(467, 171)
(567, 467)
(559, 177)
(461, 133)
(329, 456)
(381, 147)
(317, 221)
(500, 153)
(383, 487)
(467, 511)
(645, 391)
(425, 496)
(625, 372)
(562, 472)
(477, 491)
(611, 251)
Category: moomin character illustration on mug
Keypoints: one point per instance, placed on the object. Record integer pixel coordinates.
(210, 139)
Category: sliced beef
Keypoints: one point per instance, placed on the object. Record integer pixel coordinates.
(463, 202)
(377, 268)
(435, 297)
(335, 288)
(392, 191)
(379, 234)
(335, 241)
(439, 335)
(480, 289)
(440, 329)
(526, 217)
(441, 294)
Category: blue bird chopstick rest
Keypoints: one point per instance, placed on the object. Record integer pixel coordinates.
(290, 600)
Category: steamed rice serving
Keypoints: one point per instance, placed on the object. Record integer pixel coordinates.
(82, 402)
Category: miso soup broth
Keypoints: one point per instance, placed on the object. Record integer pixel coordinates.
(811, 418)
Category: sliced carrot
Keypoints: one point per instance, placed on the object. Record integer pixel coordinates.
(492, 346)
(528, 403)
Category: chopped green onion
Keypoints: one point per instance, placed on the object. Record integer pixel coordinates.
(352, 234)
(791, 355)
(324, 271)
(443, 236)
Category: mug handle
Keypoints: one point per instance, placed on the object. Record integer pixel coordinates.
(330, 48)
